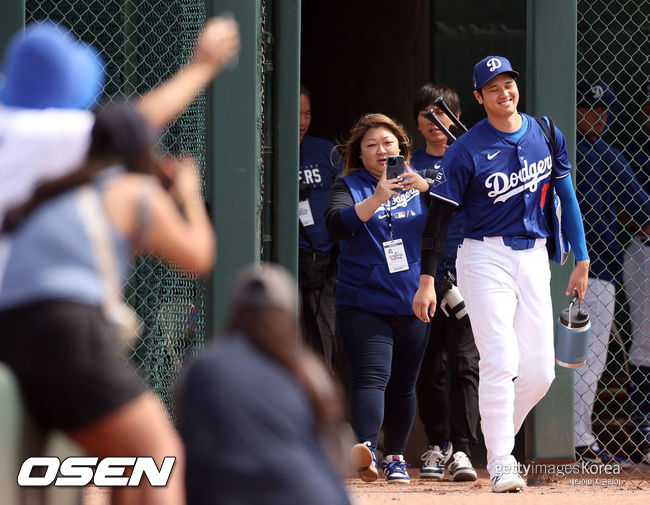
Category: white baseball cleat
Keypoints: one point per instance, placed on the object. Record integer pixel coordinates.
(505, 476)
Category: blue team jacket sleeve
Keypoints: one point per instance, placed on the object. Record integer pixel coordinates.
(571, 218)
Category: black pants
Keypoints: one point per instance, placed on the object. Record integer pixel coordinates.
(449, 415)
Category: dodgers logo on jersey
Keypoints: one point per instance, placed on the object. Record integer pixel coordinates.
(493, 64)
(397, 202)
(504, 186)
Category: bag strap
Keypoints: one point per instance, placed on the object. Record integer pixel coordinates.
(548, 129)
(96, 225)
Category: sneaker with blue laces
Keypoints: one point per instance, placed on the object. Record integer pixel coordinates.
(434, 461)
(394, 468)
(364, 459)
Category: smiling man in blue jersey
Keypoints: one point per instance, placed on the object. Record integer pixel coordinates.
(320, 165)
(500, 171)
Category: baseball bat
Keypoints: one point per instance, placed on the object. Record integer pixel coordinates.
(431, 116)
(440, 103)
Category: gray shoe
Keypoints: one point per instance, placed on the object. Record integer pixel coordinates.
(434, 461)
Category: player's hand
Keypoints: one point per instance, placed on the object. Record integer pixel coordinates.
(578, 279)
(424, 301)
(388, 187)
(217, 43)
(411, 179)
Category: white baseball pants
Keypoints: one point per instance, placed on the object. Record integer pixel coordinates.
(599, 302)
(636, 277)
(508, 296)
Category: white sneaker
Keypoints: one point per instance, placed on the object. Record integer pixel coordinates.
(364, 460)
(434, 461)
(461, 469)
(506, 478)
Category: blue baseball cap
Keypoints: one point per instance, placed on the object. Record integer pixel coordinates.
(488, 68)
(595, 94)
(45, 66)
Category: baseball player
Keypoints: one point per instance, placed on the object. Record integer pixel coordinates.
(499, 171)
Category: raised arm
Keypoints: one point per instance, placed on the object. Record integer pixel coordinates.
(216, 45)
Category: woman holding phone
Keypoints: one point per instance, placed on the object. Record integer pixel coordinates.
(378, 222)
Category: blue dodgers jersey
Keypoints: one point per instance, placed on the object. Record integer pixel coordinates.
(320, 165)
(421, 161)
(363, 279)
(501, 184)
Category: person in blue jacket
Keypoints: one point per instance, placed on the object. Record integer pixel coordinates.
(258, 411)
(379, 222)
(605, 183)
(449, 416)
(636, 278)
(320, 165)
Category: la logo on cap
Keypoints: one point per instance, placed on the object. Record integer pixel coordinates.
(493, 64)
(597, 91)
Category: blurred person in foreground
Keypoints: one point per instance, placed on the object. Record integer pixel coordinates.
(71, 244)
(259, 413)
(52, 81)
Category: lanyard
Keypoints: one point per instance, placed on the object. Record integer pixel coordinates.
(389, 218)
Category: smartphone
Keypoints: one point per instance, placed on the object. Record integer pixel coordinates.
(394, 166)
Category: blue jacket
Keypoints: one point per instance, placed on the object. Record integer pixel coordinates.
(605, 181)
(248, 427)
(422, 161)
(363, 279)
(320, 165)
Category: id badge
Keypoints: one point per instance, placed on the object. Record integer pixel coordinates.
(395, 256)
(304, 213)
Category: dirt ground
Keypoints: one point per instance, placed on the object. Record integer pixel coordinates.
(577, 489)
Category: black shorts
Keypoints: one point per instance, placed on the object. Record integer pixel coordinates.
(68, 363)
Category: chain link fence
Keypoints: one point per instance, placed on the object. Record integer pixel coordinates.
(143, 42)
(612, 392)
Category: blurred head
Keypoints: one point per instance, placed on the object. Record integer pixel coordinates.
(305, 111)
(424, 100)
(45, 66)
(121, 135)
(264, 309)
(372, 138)
(595, 104)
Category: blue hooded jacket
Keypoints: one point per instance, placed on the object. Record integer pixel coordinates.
(364, 280)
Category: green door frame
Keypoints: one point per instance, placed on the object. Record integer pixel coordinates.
(551, 81)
